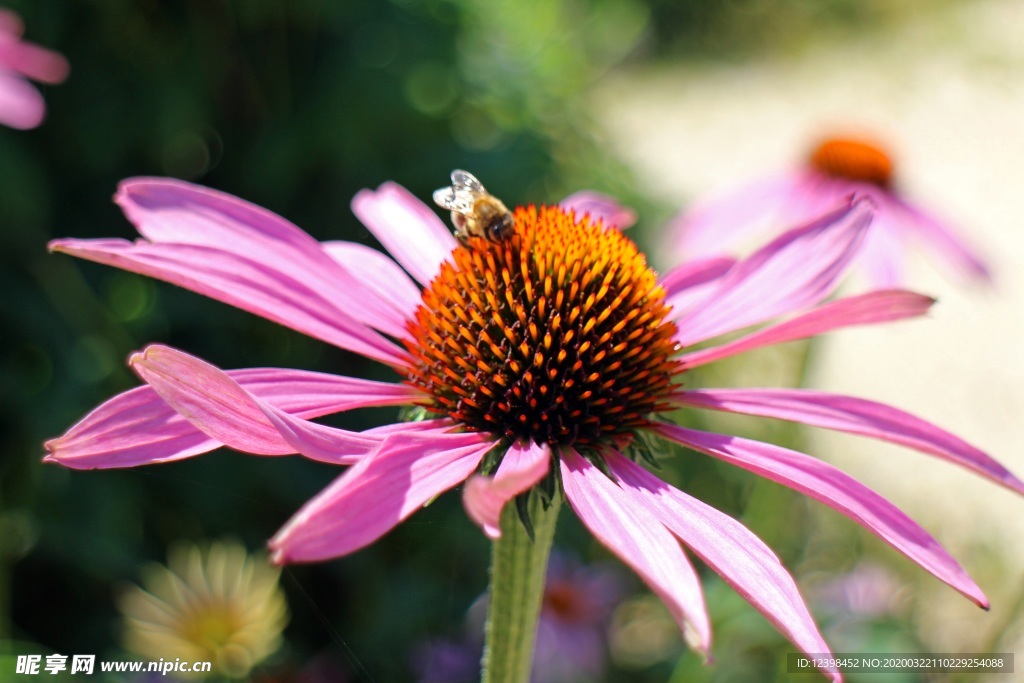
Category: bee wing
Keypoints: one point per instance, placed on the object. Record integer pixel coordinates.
(454, 199)
(466, 180)
(461, 195)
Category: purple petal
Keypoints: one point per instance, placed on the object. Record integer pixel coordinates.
(854, 415)
(221, 408)
(600, 207)
(629, 527)
(864, 309)
(139, 428)
(380, 274)
(409, 229)
(441, 425)
(695, 273)
(175, 212)
(524, 465)
(884, 251)
(241, 282)
(796, 270)
(739, 557)
(377, 493)
(839, 491)
(718, 225)
(21, 105)
(690, 283)
(943, 241)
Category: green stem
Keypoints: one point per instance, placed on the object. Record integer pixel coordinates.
(518, 567)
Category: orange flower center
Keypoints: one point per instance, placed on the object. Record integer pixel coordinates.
(557, 333)
(853, 160)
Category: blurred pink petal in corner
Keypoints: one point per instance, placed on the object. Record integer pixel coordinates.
(21, 105)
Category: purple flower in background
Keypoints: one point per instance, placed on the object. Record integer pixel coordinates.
(838, 168)
(21, 105)
(572, 639)
(572, 636)
(448, 660)
(555, 347)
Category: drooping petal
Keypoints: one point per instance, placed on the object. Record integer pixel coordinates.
(380, 274)
(600, 207)
(410, 231)
(718, 225)
(167, 211)
(863, 309)
(377, 493)
(138, 427)
(796, 270)
(739, 557)
(524, 465)
(943, 241)
(21, 105)
(220, 407)
(884, 252)
(856, 416)
(839, 491)
(630, 529)
(241, 282)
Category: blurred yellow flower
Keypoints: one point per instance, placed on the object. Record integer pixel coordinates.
(214, 603)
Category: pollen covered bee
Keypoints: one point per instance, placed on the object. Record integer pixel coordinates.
(475, 213)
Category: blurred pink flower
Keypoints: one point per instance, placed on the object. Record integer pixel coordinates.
(866, 591)
(837, 169)
(21, 105)
(554, 348)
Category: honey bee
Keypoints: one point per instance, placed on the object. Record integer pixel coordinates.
(475, 212)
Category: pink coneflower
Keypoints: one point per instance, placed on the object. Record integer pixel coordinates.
(21, 105)
(541, 356)
(836, 169)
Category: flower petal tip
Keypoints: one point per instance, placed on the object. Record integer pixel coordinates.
(55, 245)
(127, 188)
(1014, 484)
(699, 640)
(972, 592)
(275, 553)
(54, 453)
(981, 600)
(137, 185)
(144, 355)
